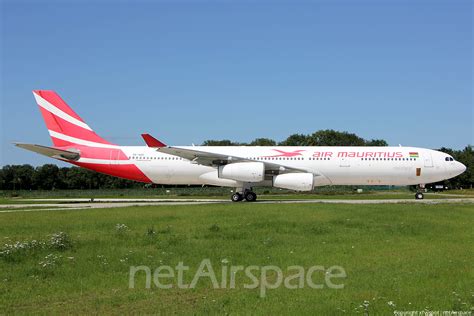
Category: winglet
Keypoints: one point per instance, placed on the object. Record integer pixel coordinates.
(152, 141)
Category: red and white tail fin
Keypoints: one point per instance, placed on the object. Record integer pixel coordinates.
(65, 127)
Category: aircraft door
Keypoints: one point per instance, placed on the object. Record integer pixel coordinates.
(114, 155)
(428, 160)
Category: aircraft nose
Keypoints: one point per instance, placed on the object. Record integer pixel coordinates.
(459, 168)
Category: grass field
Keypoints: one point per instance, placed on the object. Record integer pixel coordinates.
(396, 257)
(25, 197)
(188, 192)
(467, 192)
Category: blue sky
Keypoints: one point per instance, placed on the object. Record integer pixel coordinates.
(188, 71)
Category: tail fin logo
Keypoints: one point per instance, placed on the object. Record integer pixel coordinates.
(65, 127)
(286, 153)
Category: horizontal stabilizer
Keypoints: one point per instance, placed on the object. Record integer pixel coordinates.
(152, 141)
(50, 151)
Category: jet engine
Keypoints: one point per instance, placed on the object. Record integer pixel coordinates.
(294, 181)
(243, 171)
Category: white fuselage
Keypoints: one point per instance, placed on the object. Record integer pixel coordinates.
(330, 165)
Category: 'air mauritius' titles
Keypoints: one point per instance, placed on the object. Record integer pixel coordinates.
(358, 154)
(343, 154)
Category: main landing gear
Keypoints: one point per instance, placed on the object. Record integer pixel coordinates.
(248, 195)
(419, 194)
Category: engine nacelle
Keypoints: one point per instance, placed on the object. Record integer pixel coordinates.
(243, 171)
(294, 181)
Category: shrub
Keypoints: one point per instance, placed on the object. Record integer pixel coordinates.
(121, 229)
(50, 261)
(60, 241)
(13, 251)
(150, 231)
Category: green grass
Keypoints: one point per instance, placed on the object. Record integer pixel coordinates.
(29, 198)
(467, 192)
(417, 256)
(27, 208)
(357, 196)
(184, 192)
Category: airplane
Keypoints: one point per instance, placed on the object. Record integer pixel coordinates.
(299, 168)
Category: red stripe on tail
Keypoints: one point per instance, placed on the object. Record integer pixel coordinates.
(53, 98)
(69, 124)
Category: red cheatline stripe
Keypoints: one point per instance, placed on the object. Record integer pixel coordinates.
(130, 171)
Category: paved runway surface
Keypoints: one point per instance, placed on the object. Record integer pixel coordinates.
(83, 204)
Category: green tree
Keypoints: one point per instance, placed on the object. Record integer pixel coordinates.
(295, 140)
(331, 137)
(224, 142)
(24, 175)
(17, 177)
(76, 178)
(263, 142)
(8, 175)
(2, 180)
(47, 177)
(376, 142)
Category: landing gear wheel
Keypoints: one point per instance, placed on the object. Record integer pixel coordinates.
(236, 197)
(419, 196)
(250, 196)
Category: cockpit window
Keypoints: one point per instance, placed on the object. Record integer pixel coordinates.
(449, 159)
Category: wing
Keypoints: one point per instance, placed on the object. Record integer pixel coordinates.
(212, 159)
(50, 151)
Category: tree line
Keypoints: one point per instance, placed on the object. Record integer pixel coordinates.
(50, 176)
(327, 137)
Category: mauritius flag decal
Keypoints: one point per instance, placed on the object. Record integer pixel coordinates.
(413, 154)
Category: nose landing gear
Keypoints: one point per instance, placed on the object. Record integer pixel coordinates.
(419, 194)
